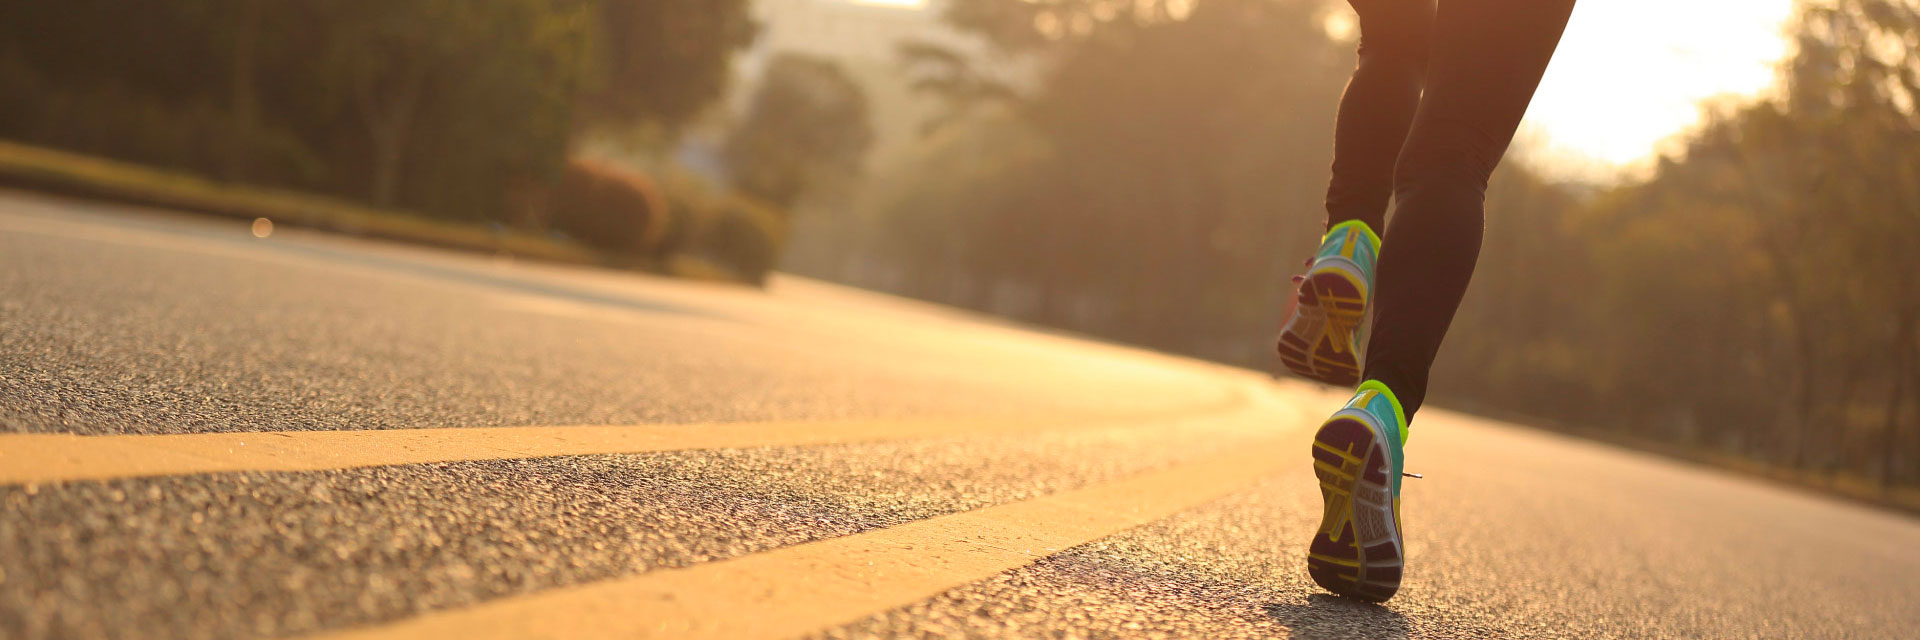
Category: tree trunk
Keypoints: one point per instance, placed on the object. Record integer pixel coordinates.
(388, 143)
(388, 121)
(1779, 244)
(245, 100)
(1896, 400)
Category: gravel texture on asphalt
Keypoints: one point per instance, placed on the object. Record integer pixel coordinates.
(118, 324)
(262, 555)
(1513, 534)
(108, 330)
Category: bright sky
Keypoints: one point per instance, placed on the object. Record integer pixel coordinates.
(1631, 73)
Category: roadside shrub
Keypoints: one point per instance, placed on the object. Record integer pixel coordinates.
(694, 202)
(108, 119)
(743, 235)
(609, 208)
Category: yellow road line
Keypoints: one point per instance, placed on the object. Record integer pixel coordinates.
(47, 458)
(802, 588)
(1346, 452)
(1339, 561)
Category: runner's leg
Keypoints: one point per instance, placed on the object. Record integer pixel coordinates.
(1378, 107)
(1486, 59)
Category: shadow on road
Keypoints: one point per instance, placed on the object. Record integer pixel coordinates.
(1328, 617)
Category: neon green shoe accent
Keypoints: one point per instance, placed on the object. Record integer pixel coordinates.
(1366, 398)
(1356, 242)
(1373, 239)
(1399, 415)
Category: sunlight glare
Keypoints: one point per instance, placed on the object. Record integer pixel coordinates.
(1632, 73)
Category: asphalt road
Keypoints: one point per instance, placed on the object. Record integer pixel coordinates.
(916, 471)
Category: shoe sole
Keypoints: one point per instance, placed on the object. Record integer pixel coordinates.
(1358, 550)
(1317, 342)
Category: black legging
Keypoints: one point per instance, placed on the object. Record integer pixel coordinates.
(1480, 61)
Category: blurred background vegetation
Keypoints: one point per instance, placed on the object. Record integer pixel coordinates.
(1750, 299)
(1148, 171)
(479, 111)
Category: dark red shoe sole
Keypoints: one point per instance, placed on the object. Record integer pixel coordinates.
(1357, 552)
(1306, 347)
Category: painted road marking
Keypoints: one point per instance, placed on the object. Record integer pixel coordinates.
(794, 590)
(48, 458)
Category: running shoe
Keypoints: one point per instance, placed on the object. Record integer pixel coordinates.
(1321, 339)
(1358, 550)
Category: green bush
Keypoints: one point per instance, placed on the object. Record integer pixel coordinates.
(109, 119)
(692, 200)
(741, 234)
(435, 106)
(610, 208)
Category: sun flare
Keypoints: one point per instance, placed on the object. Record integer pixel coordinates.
(1632, 73)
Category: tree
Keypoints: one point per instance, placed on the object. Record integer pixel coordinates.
(806, 132)
(425, 104)
(956, 80)
(1174, 159)
(1029, 26)
(663, 61)
(385, 58)
(1773, 253)
(1854, 92)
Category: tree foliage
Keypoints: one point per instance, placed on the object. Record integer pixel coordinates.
(443, 106)
(664, 60)
(805, 132)
(1158, 159)
(1776, 251)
